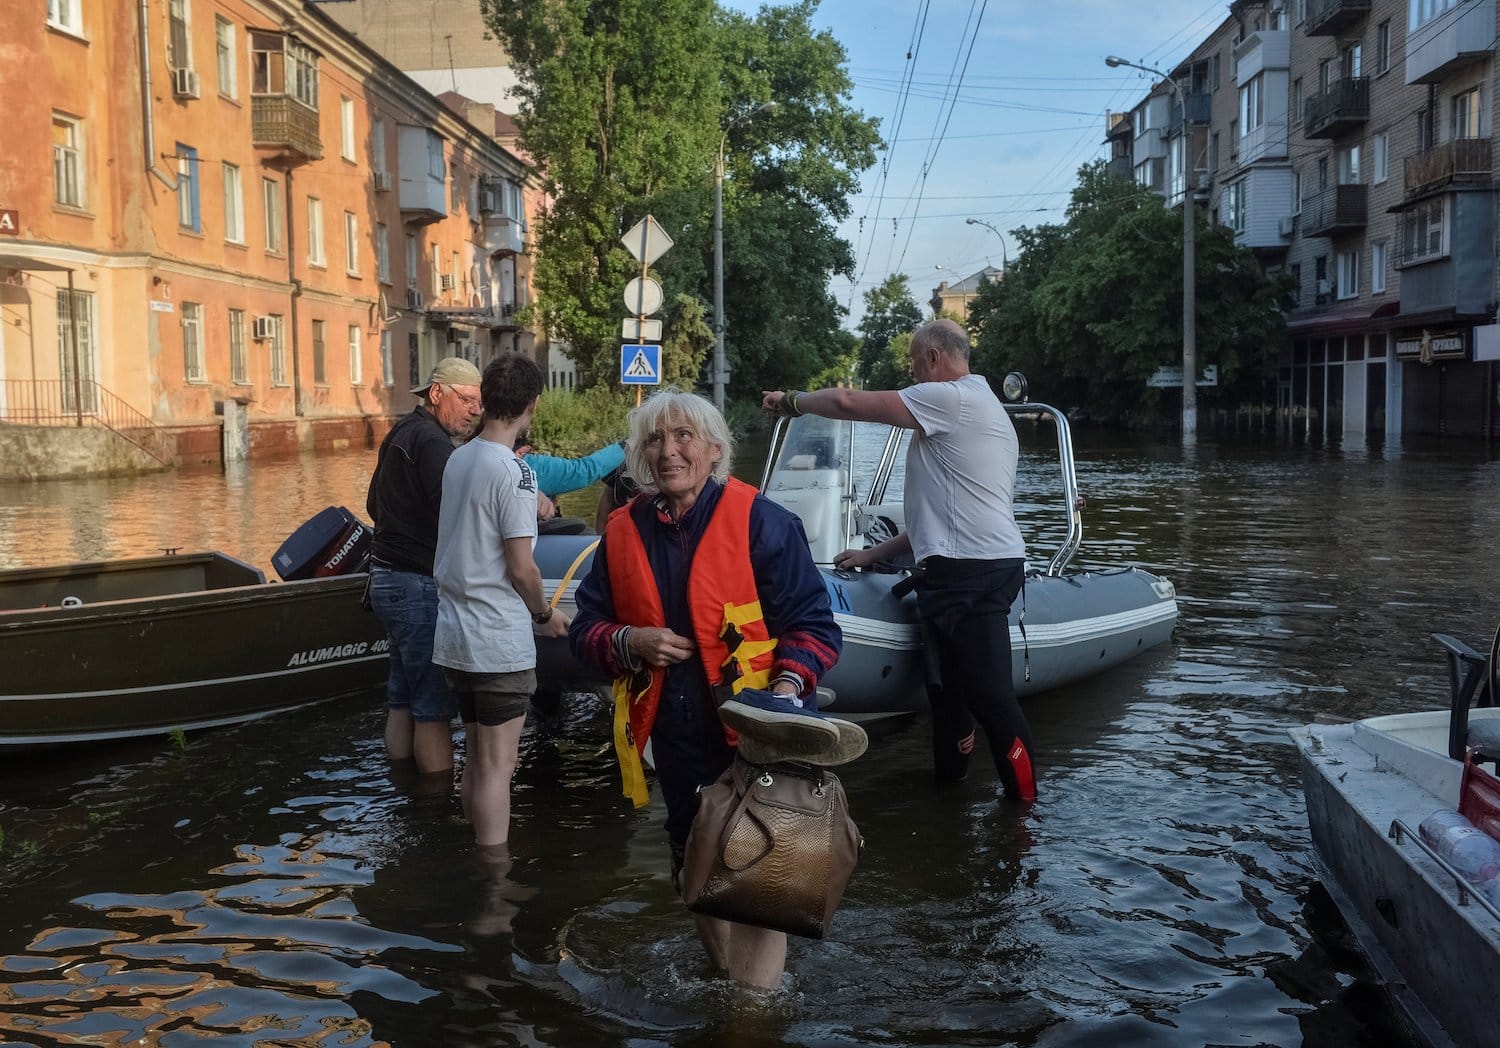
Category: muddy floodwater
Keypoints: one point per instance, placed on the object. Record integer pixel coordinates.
(271, 884)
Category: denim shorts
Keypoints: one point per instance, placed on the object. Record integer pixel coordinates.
(492, 698)
(406, 603)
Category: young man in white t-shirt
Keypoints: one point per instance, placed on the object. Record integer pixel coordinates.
(961, 529)
(490, 601)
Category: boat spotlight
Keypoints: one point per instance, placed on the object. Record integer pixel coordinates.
(1013, 388)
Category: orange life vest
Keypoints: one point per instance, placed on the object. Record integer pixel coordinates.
(733, 641)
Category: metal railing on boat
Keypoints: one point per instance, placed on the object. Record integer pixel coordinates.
(1466, 890)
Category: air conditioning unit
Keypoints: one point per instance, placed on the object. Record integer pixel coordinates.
(185, 83)
(448, 282)
(263, 329)
(1325, 287)
(489, 201)
(413, 298)
(383, 181)
(1286, 225)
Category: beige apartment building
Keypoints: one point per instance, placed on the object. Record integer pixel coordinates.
(1353, 150)
(227, 228)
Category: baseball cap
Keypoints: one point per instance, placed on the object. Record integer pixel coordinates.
(450, 371)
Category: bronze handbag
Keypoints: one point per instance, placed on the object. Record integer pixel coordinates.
(771, 846)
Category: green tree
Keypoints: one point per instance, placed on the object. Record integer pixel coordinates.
(1093, 306)
(619, 105)
(890, 311)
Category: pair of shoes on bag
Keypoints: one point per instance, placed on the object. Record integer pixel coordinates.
(774, 728)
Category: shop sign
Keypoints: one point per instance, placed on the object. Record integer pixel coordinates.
(10, 221)
(1432, 345)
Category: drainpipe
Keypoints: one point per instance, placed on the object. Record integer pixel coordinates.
(291, 275)
(170, 181)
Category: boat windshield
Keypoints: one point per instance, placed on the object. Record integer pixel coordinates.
(810, 474)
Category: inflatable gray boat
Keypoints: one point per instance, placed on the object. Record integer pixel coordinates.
(836, 477)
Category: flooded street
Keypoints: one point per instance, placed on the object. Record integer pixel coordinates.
(271, 884)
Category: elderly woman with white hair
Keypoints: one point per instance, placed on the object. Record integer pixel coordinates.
(699, 588)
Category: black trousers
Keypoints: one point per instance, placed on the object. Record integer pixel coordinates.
(965, 610)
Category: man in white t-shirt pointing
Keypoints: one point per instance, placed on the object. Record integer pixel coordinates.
(491, 605)
(961, 529)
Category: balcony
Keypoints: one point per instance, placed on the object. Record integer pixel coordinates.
(1463, 161)
(503, 235)
(1344, 107)
(1460, 36)
(1331, 17)
(1116, 125)
(1198, 107)
(1149, 145)
(1335, 210)
(282, 122)
(1262, 50)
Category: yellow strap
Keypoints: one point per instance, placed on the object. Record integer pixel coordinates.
(739, 614)
(632, 774)
(562, 587)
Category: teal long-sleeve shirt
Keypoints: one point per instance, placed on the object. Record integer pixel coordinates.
(558, 476)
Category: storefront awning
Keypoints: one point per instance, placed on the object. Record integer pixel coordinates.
(22, 262)
(1348, 321)
(469, 316)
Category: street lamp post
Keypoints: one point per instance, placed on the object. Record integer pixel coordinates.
(719, 363)
(1004, 259)
(1189, 277)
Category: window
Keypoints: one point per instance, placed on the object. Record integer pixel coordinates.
(1296, 272)
(1299, 11)
(1377, 268)
(234, 206)
(320, 352)
(377, 146)
(351, 243)
(67, 160)
(192, 341)
(382, 253)
(179, 40)
(1234, 206)
(1252, 104)
(239, 364)
(455, 188)
(1425, 137)
(66, 15)
(270, 193)
(1322, 172)
(315, 256)
(188, 215)
(413, 357)
(411, 261)
(1351, 61)
(1383, 47)
(76, 308)
(356, 365)
(1349, 165)
(279, 65)
(387, 360)
(1325, 75)
(277, 347)
(1276, 19)
(1380, 149)
(1296, 106)
(435, 167)
(1297, 192)
(1420, 12)
(437, 270)
(1466, 114)
(346, 129)
(229, 84)
(1422, 231)
(1348, 274)
(1234, 140)
(1213, 153)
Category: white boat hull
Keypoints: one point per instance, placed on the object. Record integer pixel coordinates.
(1440, 959)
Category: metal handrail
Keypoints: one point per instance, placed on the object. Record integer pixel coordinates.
(1465, 889)
(82, 402)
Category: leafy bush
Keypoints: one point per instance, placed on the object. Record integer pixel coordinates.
(572, 423)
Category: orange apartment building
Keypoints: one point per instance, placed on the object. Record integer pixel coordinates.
(270, 233)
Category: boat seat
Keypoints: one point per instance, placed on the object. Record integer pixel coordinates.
(1471, 682)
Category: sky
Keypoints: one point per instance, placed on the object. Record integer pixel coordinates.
(1000, 118)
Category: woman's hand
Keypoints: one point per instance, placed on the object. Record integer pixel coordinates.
(855, 558)
(659, 646)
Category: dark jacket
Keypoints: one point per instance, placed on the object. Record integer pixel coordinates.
(406, 490)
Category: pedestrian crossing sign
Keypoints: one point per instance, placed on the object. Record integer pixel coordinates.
(640, 365)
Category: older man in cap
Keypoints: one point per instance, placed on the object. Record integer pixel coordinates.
(404, 497)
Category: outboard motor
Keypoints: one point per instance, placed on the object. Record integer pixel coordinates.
(335, 542)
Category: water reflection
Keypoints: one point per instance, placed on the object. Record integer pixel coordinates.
(272, 884)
